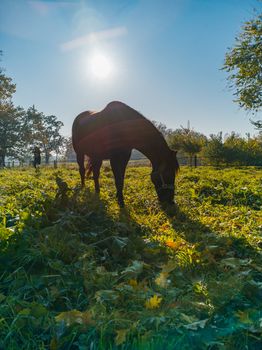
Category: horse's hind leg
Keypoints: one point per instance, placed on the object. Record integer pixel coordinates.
(81, 163)
(96, 166)
(118, 163)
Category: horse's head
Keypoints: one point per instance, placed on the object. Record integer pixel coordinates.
(163, 178)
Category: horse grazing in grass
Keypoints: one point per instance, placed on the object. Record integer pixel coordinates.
(112, 134)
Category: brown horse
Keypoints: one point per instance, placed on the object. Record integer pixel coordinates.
(112, 134)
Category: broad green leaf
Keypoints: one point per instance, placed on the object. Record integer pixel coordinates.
(134, 269)
(161, 279)
(74, 316)
(38, 310)
(170, 266)
(121, 241)
(106, 295)
(195, 325)
(234, 262)
(121, 336)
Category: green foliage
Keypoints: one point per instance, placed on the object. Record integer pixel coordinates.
(42, 131)
(233, 150)
(20, 130)
(77, 272)
(214, 150)
(257, 124)
(187, 140)
(11, 121)
(244, 64)
(162, 128)
(7, 88)
(10, 117)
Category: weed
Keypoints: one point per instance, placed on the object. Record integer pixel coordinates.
(78, 272)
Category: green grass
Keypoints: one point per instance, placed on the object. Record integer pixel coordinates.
(77, 272)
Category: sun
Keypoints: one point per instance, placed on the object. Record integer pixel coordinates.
(100, 66)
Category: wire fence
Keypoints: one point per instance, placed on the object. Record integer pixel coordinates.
(183, 161)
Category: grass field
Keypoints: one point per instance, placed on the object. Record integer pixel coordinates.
(76, 272)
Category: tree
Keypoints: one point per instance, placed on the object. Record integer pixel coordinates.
(43, 131)
(214, 149)
(51, 138)
(20, 131)
(162, 128)
(187, 140)
(10, 118)
(7, 88)
(234, 150)
(253, 149)
(243, 62)
(10, 132)
(69, 153)
(257, 124)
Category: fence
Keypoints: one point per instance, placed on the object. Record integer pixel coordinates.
(183, 161)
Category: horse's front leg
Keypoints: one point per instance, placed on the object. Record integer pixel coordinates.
(96, 166)
(118, 163)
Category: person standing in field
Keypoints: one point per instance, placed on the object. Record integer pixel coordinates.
(37, 157)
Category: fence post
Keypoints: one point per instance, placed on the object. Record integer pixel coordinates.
(195, 160)
(55, 164)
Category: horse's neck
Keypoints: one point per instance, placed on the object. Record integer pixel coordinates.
(156, 152)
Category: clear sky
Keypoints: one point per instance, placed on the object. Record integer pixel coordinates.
(161, 57)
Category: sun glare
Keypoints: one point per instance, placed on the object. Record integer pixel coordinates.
(101, 66)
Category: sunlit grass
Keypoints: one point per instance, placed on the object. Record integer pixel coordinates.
(78, 272)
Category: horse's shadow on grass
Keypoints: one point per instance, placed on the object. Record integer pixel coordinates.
(190, 229)
(80, 216)
(75, 232)
(116, 239)
(195, 232)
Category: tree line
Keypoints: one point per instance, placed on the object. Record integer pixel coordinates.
(232, 149)
(21, 130)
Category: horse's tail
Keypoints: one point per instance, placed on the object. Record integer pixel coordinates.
(89, 167)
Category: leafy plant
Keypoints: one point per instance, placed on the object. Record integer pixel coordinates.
(77, 272)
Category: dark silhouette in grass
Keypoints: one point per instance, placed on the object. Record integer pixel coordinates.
(112, 134)
(37, 157)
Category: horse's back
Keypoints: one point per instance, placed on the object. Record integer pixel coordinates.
(114, 112)
(116, 127)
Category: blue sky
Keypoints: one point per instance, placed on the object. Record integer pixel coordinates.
(165, 58)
